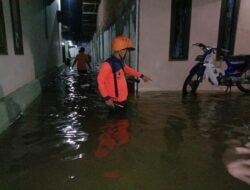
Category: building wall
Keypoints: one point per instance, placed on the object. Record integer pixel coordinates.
(41, 53)
(154, 37)
(154, 40)
(242, 37)
(114, 18)
(23, 76)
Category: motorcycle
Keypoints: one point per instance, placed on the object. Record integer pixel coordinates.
(237, 72)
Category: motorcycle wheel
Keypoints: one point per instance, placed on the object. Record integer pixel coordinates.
(191, 83)
(244, 86)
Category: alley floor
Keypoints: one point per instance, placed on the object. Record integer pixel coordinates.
(67, 140)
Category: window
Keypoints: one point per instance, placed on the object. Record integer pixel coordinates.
(180, 29)
(3, 42)
(228, 24)
(16, 26)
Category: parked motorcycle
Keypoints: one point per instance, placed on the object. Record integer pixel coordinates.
(237, 72)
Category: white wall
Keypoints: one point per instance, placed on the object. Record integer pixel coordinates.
(153, 44)
(155, 39)
(242, 43)
(15, 70)
(111, 22)
(40, 54)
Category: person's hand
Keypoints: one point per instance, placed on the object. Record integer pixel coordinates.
(146, 78)
(110, 103)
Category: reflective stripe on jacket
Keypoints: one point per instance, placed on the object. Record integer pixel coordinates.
(105, 79)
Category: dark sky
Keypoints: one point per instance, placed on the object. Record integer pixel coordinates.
(71, 16)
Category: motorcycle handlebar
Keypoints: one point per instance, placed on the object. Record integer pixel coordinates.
(204, 47)
(201, 45)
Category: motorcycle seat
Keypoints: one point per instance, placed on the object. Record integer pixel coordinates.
(238, 58)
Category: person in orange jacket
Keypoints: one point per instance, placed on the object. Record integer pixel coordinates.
(111, 79)
(82, 60)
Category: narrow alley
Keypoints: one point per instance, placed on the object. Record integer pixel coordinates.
(176, 71)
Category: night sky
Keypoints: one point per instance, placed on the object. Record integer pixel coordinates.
(71, 16)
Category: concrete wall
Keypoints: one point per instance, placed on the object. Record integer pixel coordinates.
(114, 18)
(21, 75)
(155, 39)
(110, 11)
(41, 54)
(242, 36)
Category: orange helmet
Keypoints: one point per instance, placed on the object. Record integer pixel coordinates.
(122, 42)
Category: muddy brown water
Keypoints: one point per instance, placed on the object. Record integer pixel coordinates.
(66, 140)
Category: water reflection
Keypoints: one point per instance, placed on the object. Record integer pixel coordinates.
(236, 156)
(173, 133)
(226, 122)
(112, 136)
(66, 141)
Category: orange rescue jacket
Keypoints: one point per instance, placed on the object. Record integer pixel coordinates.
(106, 81)
(82, 60)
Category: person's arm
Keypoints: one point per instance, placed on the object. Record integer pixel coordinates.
(75, 60)
(130, 71)
(104, 72)
(73, 64)
(89, 61)
(89, 65)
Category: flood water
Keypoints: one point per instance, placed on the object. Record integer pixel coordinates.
(66, 140)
